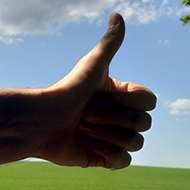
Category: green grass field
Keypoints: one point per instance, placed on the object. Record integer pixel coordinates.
(46, 176)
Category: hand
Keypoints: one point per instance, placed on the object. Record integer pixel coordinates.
(62, 123)
(88, 77)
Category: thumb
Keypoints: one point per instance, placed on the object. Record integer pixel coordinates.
(91, 73)
(105, 50)
(92, 70)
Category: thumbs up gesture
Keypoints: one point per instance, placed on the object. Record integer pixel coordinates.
(88, 118)
(103, 116)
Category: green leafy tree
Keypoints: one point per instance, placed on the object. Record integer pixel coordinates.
(185, 18)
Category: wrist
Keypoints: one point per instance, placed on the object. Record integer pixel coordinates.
(19, 123)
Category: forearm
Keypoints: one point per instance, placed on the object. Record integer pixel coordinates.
(18, 114)
(16, 101)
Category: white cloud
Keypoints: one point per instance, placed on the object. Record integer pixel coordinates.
(182, 11)
(146, 11)
(39, 17)
(179, 107)
(182, 120)
(165, 2)
(163, 41)
(10, 40)
(147, 1)
(23, 17)
(138, 13)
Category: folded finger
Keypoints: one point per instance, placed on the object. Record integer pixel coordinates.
(119, 116)
(114, 157)
(126, 139)
(128, 95)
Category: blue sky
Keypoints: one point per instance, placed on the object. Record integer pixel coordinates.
(40, 42)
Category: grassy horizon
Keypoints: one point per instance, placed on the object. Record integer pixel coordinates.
(47, 176)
